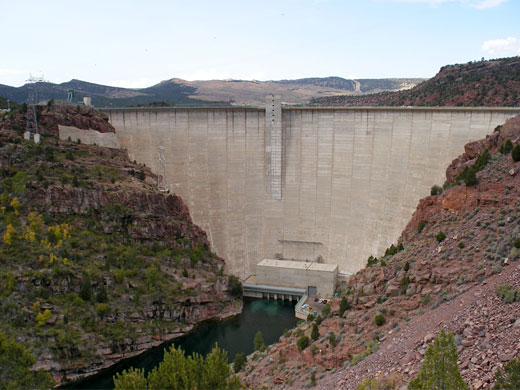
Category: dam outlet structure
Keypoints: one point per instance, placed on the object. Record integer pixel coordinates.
(323, 185)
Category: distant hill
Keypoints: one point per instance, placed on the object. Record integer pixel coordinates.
(483, 83)
(181, 92)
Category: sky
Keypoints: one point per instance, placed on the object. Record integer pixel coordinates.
(136, 44)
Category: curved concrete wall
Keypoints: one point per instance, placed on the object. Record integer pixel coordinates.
(351, 178)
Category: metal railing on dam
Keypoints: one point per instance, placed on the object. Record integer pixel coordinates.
(349, 177)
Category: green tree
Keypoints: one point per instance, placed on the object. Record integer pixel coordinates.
(471, 178)
(515, 153)
(315, 333)
(441, 236)
(509, 379)
(131, 379)
(239, 362)
(173, 372)
(439, 370)
(236, 286)
(15, 368)
(216, 370)
(258, 342)
(85, 291)
(303, 342)
(325, 310)
(379, 320)
(343, 306)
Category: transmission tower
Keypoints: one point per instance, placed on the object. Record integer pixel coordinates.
(32, 101)
(161, 171)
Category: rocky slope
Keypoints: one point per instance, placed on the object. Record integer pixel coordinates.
(96, 265)
(433, 281)
(480, 83)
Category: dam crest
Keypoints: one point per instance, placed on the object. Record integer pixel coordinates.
(330, 185)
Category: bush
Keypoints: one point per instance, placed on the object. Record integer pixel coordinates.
(515, 153)
(379, 320)
(85, 291)
(421, 226)
(101, 309)
(332, 339)
(436, 190)
(440, 236)
(406, 266)
(15, 367)
(131, 379)
(506, 147)
(239, 362)
(461, 245)
(439, 369)
(509, 379)
(303, 342)
(236, 286)
(470, 179)
(372, 261)
(325, 311)
(517, 243)
(315, 333)
(319, 320)
(507, 293)
(392, 382)
(310, 317)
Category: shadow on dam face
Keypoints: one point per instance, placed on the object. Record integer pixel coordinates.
(349, 178)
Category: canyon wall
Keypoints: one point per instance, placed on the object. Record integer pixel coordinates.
(350, 177)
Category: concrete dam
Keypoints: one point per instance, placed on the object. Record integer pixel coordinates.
(338, 184)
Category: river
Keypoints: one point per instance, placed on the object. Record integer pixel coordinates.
(235, 335)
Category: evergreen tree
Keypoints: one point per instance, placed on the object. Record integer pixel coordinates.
(259, 342)
(315, 332)
(131, 379)
(343, 306)
(439, 370)
(510, 378)
(15, 365)
(239, 362)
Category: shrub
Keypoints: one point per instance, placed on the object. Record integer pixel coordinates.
(239, 362)
(85, 291)
(507, 293)
(372, 261)
(319, 320)
(332, 339)
(258, 342)
(509, 379)
(439, 369)
(471, 177)
(131, 379)
(461, 245)
(421, 226)
(517, 243)
(406, 266)
(344, 305)
(440, 236)
(15, 367)
(101, 309)
(379, 320)
(315, 333)
(515, 153)
(436, 190)
(392, 382)
(303, 342)
(506, 147)
(310, 317)
(325, 311)
(236, 286)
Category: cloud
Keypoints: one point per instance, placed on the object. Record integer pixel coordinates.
(478, 4)
(507, 46)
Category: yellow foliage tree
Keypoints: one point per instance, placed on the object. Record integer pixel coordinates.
(9, 234)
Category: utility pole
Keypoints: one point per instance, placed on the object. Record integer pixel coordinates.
(31, 115)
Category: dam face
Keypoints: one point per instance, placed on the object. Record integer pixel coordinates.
(301, 183)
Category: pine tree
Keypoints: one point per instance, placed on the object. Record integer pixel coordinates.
(439, 370)
(510, 378)
(343, 306)
(315, 332)
(259, 342)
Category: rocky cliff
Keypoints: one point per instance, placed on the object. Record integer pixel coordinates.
(455, 259)
(96, 265)
(480, 83)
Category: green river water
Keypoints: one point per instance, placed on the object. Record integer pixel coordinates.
(235, 335)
